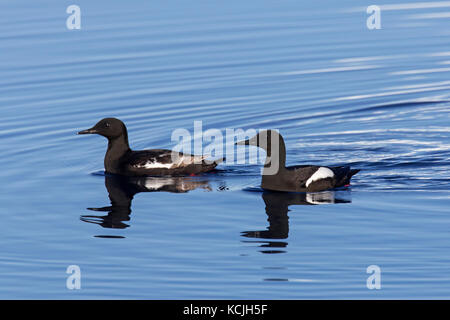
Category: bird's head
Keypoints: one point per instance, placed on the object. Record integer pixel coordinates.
(262, 139)
(110, 128)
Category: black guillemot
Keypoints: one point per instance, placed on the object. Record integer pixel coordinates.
(303, 178)
(120, 159)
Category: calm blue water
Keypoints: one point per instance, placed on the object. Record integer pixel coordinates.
(338, 92)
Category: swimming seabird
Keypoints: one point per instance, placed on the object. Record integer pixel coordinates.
(120, 159)
(302, 178)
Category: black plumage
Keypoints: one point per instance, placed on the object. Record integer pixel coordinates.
(303, 178)
(120, 159)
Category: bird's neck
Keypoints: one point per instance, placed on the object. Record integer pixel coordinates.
(117, 149)
(276, 156)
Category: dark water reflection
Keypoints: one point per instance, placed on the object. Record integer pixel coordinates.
(121, 191)
(277, 208)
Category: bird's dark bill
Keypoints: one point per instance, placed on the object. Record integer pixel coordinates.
(243, 143)
(88, 131)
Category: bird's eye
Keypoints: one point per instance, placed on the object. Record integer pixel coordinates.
(107, 125)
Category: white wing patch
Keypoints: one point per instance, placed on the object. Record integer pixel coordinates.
(321, 173)
(154, 165)
(181, 162)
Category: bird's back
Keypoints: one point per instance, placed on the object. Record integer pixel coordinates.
(162, 162)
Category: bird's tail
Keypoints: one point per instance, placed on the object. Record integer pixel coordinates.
(215, 161)
(343, 175)
(208, 165)
(349, 175)
(352, 172)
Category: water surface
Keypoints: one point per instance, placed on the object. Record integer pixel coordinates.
(339, 93)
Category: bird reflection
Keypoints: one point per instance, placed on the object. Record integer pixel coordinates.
(277, 207)
(121, 191)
